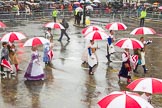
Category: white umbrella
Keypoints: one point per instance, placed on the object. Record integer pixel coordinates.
(97, 1)
(86, 1)
(89, 7)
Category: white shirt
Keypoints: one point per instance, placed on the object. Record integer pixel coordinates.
(47, 35)
(147, 98)
(124, 57)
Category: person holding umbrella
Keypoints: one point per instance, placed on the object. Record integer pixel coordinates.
(34, 70)
(5, 57)
(48, 34)
(92, 58)
(12, 55)
(126, 67)
(65, 24)
(110, 46)
(46, 49)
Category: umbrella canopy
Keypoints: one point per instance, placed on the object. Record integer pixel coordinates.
(36, 41)
(6, 64)
(89, 7)
(160, 7)
(97, 1)
(2, 25)
(76, 3)
(94, 5)
(12, 36)
(149, 85)
(96, 35)
(54, 25)
(79, 9)
(130, 43)
(86, 1)
(116, 26)
(123, 100)
(90, 29)
(143, 31)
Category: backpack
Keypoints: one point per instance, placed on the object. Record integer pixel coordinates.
(66, 25)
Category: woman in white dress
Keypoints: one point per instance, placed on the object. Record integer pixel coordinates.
(92, 58)
(34, 70)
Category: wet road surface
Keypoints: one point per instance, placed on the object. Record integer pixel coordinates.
(67, 84)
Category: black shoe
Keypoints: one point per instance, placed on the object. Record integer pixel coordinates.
(109, 61)
(68, 39)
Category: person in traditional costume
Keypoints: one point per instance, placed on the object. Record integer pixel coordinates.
(34, 70)
(110, 46)
(126, 67)
(46, 58)
(13, 56)
(5, 65)
(92, 58)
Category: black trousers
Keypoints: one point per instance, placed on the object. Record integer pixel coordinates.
(63, 31)
(142, 22)
(54, 19)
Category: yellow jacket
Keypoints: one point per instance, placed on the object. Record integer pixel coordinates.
(54, 13)
(143, 14)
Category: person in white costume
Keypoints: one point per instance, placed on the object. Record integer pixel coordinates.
(92, 58)
(34, 70)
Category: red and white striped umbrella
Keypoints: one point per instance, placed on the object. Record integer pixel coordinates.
(54, 25)
(123, 100)
(2, 25)
(12, 36)
(130, 43)
(116, 26)
(96, 35)
(36, 41)
(90, 29)
(143, 31)
(50, 54)
(149, 85)
(6, 64)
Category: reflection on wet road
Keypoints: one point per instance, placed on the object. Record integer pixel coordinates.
(67, 83)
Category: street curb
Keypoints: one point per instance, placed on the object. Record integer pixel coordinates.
(148, 20)
(81, 26)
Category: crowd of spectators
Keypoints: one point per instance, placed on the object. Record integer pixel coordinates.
(29, 7)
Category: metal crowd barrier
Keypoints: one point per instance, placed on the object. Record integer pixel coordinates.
(47, 13)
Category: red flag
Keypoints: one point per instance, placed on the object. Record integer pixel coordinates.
(134, 59)
(50, 54)
(6, 64)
